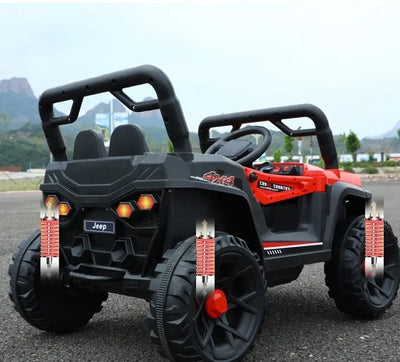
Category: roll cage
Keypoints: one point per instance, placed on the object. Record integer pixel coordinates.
(171, 112)
(275, 116)
(115, 83)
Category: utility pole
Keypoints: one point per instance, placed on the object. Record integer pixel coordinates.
(299, 149)
(299, 138)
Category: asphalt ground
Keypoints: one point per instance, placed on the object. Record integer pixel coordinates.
(302, 322)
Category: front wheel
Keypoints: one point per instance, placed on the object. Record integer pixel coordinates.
(179, 322)
(354, 292)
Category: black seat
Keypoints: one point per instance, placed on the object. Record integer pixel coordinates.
(127, 140)
(89, 144)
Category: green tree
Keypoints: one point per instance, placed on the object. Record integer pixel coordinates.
(277, 155)
(5, 120)
(288, 145)
(170, 146)
(398, 132)
(352, 144)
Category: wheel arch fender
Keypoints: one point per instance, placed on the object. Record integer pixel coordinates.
(231, 210)
(346, 201)
(243, 222)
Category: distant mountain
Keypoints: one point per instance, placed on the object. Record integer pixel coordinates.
(150, 119)
(391, 133)
(18, 103)
(16, 86)
(88, 120)
(385, 145)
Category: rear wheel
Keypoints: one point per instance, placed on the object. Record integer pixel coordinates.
(180, 323)
(355, 293)
(46, 306)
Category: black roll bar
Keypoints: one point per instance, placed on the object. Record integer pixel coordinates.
(275, 116)
(114, 83)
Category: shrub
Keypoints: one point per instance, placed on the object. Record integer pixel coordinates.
(348, 169)
(390, 163)
(347, 166)
(370, 170)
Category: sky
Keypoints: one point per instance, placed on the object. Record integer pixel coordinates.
(221, 56)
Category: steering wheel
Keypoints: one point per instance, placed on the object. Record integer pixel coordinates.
(241, 151)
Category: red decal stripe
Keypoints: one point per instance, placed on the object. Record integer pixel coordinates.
(289, 244)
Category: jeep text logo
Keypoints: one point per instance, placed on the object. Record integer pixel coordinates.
(99, 226)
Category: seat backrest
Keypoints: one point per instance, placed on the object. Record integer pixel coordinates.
(127, 140)
(89, 144)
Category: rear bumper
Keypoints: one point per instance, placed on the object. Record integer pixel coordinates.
(108, 279)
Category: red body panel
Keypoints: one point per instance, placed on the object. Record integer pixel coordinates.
(269, 188)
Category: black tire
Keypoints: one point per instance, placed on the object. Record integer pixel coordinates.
(46, 306)
(179, 323)
(352, 291)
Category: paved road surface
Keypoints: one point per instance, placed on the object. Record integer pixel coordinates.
(302, 322)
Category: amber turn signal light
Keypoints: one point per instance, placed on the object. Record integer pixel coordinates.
(146, 202)
(124, 209)
(51, 201)
(64, 208)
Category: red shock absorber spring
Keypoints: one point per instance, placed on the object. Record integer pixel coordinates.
(374, 238)
(205, 251)
(49, 245)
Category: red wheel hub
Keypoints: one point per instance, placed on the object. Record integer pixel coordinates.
(216, 304)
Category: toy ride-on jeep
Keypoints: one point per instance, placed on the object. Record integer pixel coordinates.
(199, 236)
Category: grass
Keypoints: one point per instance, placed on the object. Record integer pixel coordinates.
(21, 184)
(389, 171)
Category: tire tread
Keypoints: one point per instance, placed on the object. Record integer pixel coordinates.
(343, 275)
(28, 303)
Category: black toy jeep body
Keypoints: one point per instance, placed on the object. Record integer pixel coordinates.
(128, 219)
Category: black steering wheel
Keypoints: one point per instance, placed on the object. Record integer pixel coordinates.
(241, 151)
